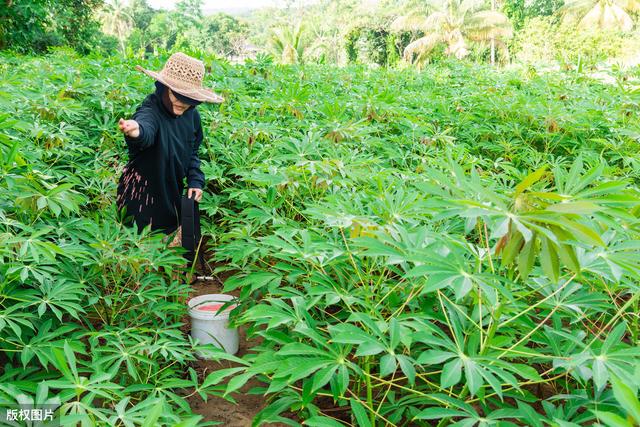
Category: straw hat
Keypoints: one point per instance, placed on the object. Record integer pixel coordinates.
(184, 74)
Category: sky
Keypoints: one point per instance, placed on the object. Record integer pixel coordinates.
(221, 4)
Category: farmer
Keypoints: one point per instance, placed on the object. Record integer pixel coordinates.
(163, 138)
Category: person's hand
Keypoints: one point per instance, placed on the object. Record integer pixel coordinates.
(197, 192)
(129, 128)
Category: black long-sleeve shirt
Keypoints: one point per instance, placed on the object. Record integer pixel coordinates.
(160, 158)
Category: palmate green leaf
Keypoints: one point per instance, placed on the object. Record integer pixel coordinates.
(549, 259)
(406, 366)
(612, 420)
(298, 349)
(434, 357)
(360, 413)
(439, 413)
(614, 337)
(394, 332)
(215, 377)
(529, 180)
(575, 207)
(440, 277)
(568, 257)
(491, 379)
(295, 368)
(272, 411)
(346, 333)
(14, 317)
(340, 382)
(472, 374)
(254, 281)
(273, 315)
(62, 295)
(237, 382)
(42, 344)
(527, 256)
(512, 248)
(153, 415)
(321, 421)
(388, 365)
(451, 373)
(369, 348)
(323, 376)
(627, 398)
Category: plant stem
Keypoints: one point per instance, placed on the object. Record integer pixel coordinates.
(367, 368)
(493, 327)
(634, 326)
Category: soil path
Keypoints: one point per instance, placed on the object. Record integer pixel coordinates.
(218, 409)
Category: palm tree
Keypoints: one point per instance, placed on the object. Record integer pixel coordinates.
(601, 14)
(454, 23)
(288, 43)
(117, 20)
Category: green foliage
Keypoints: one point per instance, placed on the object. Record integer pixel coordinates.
(376, 45)
(542, 41)
(90, 311)
(161, 33)
(369, 45)
(458, 245)
(289, 43)
(608, 15)
(33, 26)
(456, 25)
(227, 33)
(219, 33)
(142, 13)
(543, 7)
(516, 11)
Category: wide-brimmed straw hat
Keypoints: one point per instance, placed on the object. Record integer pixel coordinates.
(184, 74)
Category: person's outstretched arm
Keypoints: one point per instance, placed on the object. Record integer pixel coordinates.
(139, 133)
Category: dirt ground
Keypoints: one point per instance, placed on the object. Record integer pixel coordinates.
(218, 409)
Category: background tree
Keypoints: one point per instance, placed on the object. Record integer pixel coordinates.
(117, 20)
(162, 31)
(190, 13)
(219, 33)
(288, 44)
(453, 23)
(542, 7)
(142, 13)
(34, 25)
(515, 10)
(223, 33)
(601, 14)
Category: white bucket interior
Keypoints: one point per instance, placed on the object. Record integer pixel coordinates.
(211, 327)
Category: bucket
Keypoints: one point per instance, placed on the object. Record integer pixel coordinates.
(209, 325)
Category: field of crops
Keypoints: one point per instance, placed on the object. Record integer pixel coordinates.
(457, 246)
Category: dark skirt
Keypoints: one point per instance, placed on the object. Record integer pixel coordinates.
(138, 204)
